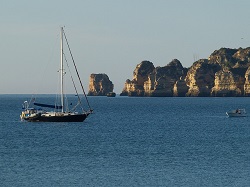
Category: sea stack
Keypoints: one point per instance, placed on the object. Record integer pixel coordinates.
(100, 85)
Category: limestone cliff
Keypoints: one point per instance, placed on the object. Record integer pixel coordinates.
(247, 82)
(180, 88)
(162, 80)
(134, 87)
(222, 74)
(159, 81)
(226, 84)
(231, 80)
(223, 57)
(200, 78)
(226, 72)
(100, 85)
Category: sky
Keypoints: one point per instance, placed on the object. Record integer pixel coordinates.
(112, 37)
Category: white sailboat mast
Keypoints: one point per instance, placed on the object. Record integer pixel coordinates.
(62, 71)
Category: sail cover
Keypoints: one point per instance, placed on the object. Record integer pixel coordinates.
(48, 106)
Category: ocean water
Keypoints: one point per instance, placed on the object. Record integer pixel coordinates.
(129, 141)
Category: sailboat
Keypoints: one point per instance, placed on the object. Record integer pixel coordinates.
(60, 112)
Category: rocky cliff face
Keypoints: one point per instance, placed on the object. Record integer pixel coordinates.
(100, 85)
(180, 88)
(134, 87)
(225, 73)
(162, 80)
(231, 79)
(226, 84)
(247, 82)
(151, 81)
(200, 78)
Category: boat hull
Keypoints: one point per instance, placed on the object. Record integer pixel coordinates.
(237, 113)
(58, 118)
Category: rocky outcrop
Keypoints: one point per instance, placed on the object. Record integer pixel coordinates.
(223, 57)
(231, 79)
(200, 78)
(226, 72)
(135, 87)
(180, 88)
(157, 82)
(100, 85)
(162, 80)
(247, 82)
(221, 75)
(226, 84)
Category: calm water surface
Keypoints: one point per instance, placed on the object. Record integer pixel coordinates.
(129, 142)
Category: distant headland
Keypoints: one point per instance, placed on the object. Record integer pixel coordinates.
(226, 73)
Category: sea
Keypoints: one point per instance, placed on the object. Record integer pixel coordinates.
(127, 142)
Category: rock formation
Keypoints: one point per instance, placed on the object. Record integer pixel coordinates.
(226, 84)
(135, 86)
(151, 81)
(231, 79)
(180, 88)
(162, 80)
(200, 78)
(225, 73)
(247, 82)
(100, 85)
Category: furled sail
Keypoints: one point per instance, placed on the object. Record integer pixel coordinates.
(48, 106)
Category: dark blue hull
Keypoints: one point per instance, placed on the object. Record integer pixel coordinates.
(66, 118)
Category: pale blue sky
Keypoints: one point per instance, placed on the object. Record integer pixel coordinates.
(111, 36)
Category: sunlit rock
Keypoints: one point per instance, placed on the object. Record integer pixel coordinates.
(100, 85)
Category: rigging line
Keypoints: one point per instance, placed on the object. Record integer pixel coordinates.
(32, 99)
(79, 99)
(77, 71)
